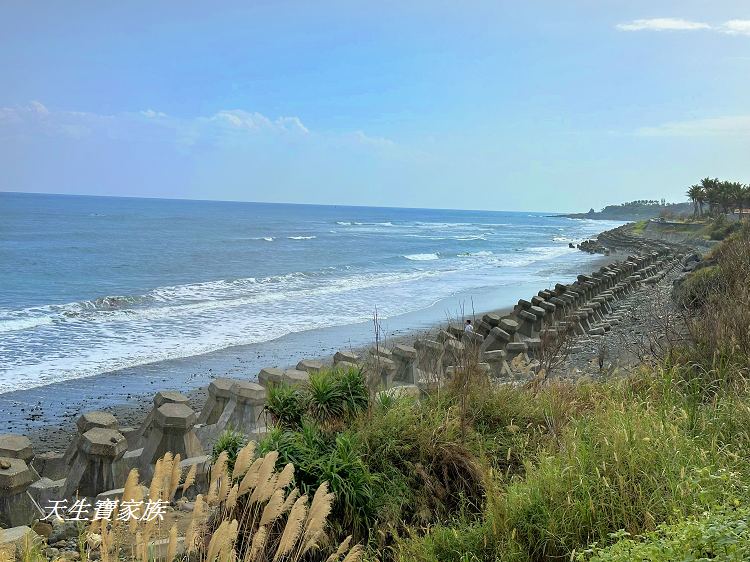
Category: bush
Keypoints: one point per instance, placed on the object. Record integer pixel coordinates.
(721, 328)
(320, 456)
(700, 287)
(723, 536)
(286, 405)
(231, 442)
(425, 473)
(625, 454)
(331, 398)
(721, 228)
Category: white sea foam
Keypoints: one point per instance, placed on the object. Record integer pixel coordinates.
(64, 341)
(422, 257)
(471, 237)
(14, 324)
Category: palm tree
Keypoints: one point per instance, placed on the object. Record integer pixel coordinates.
(701, 198)
(711, 189)
(694, 193)
(736, 195)
(745, 200)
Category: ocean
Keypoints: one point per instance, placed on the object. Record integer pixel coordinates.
(90, 285)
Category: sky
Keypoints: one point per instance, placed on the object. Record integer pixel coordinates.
(539, 105)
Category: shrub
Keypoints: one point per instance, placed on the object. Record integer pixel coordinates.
(625, 454)
(320, 456)
(326, 400)
(721, 228)
(230, 442)
(331, 398)
(260, 516)
(286, 405)
(425, 473)
(722, 535)
(700, 287)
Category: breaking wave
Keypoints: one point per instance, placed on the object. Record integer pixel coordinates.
(422, 257)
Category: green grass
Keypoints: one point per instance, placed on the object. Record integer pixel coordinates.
(639, 227)
(630, 455)
(556, 471)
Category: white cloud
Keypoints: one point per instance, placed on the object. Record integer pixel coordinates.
(736, 27)
(732, 125)
(152, 114)
(361, 138)
(253, 121)
(662, 24)
(730, 27)
(227, 126)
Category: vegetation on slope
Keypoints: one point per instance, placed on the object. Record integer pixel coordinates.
(650, 466)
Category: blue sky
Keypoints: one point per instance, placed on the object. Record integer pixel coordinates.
(542, 105)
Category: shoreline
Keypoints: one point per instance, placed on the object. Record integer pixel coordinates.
(47, 414)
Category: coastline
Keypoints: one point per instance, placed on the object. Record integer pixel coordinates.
(47, 414)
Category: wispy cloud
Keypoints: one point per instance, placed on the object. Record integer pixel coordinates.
(736, 27)
(727, 126)
(730, 27)
(662, 24)
(224, 126)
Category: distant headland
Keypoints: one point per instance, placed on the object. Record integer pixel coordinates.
(635, 210)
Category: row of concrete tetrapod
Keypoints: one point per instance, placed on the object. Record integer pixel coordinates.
(585, 307)
(101, 453)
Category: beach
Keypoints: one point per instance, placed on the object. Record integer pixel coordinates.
(47, 414)
(107, 300)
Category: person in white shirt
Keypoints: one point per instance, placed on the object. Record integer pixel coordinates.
(468, 327)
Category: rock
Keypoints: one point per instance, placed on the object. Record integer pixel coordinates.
(15, 541)
(158, 549)
(42, 528)
(401, 391)
(62, 531)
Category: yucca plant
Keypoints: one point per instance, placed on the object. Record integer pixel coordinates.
(327, 399)
(286, 405)
(230, 441)
(353, 388)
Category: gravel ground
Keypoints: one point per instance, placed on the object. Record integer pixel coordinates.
(649, 323)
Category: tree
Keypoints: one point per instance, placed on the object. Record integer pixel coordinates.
(736, 196)
(694, 193)
(711, 189)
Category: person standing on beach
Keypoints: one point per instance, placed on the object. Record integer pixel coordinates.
(468, 327)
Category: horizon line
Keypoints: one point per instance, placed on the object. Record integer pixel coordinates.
(157, 198)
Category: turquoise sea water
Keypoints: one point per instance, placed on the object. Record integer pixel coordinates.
(89, 285)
